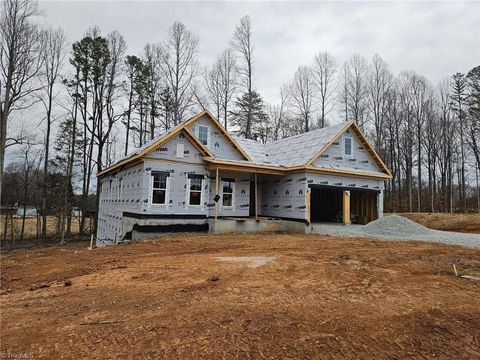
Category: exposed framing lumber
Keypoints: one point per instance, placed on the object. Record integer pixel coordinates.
(308, 202)
(346, 207)
(347, 173)
(217, 205)
(256, 197)
(171, 161)
(236, 166)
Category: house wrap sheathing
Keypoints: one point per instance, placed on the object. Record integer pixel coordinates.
(197, 175)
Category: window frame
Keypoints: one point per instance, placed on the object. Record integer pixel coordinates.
(345, 145)
(119, 189)
(189, 191)
(208, 134)
(110, 189)
(152, 189)
(232, 185)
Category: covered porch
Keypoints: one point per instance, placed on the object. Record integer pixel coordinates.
(226, 192)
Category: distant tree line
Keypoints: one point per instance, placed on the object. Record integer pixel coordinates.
(95, 102)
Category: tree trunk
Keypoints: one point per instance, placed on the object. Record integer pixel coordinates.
(25, 194)
(45, 164)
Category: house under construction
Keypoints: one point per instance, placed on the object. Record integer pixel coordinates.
(198, 177)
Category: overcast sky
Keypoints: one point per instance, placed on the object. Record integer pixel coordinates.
(435, 39)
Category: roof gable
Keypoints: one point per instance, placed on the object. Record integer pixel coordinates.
(299, 149)
(168, 150)
(157, 142)
(361, 146)
(220, 142)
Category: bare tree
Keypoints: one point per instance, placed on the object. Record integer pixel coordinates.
(446, 143)
(277, 115)
(153, 79)
(407, 133)
(301, 96)
(220, 84)
(242, 43)
(324, 69)
(213, 86)
(228, 71)
(342, 92)
(31, 161)
(380, 81)
(19, 62)
(431, 133)
(180, 67)
(110, 88)
(53, 52)
(391, 142)
(354, 89)
(199, 96)
(420, 90)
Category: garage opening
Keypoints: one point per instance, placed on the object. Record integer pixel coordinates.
(363, 206)
(327, 204)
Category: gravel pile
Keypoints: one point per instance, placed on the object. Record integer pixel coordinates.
(395, 227)
(395, 224)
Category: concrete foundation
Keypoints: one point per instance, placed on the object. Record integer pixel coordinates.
(250, 225)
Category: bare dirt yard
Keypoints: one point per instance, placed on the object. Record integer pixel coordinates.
(469, 223)
(202, 296)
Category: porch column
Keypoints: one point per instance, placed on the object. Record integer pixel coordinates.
(346, 207)
(256, 197)
(216, 194)
(308, 201)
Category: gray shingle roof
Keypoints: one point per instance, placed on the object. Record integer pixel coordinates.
(291, 151)
(254, 149)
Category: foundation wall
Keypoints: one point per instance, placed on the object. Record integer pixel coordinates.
(250, 225)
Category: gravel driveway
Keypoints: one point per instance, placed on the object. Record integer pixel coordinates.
(395, 227)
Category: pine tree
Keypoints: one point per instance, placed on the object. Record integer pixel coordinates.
(458, 99)
(256, 118)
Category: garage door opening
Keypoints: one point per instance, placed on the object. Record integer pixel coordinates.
(363, 206)
(327, 204)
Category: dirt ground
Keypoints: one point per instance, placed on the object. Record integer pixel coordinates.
(469, 223)
(315, 297)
